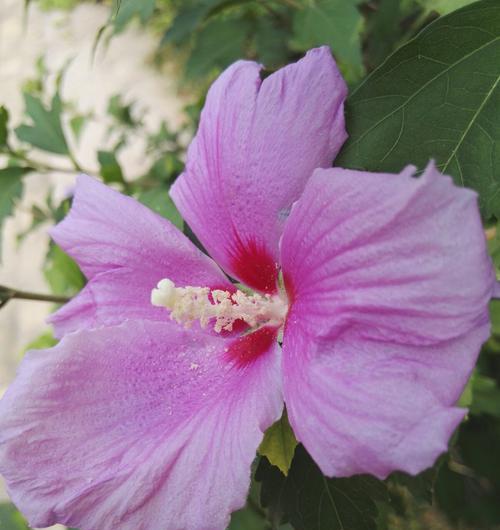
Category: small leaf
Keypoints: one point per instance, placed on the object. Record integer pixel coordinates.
(44, 341)
(337, 23)
(46, 132)
(126, 10)
(485, 396)
(160, 202)
(11, 188)
(279, 444)
(110, 168)
(4, 119)
(247, 519)
(435, 98)
(77, 124)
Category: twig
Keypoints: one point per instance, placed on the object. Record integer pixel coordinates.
(8, 293)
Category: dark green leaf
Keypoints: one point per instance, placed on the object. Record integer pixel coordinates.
(468, 483)
(271, 43)
(247, 519)
(437, 97)
(337, 23)
(185, 23)
(10, 518)
(160, 202)
(46, 132)
(4, 119)
(11, 188)
(485, 396)
(311, 501)
(110, 168)
(218, 44)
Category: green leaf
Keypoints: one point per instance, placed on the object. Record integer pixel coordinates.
(436, 97)
(11, 188)
(44, 341)
(279, 444)
(46, 132)
(77, 124)
(160, 202)
(217, 45)
(62, 273)
(311, 501)
(337, 23)
(443, 7)
(495, 316)
(10, 518)
(4, 119)
(110, 168)
(485, 396)
(247, 519)
(126, 10)
(271, 43)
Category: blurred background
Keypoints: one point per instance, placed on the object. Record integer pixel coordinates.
(114, 89)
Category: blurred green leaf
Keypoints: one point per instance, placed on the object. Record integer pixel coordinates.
(4, 119)
(217, 45)
(110, 168)
(46, 132)
(122, 112)
(436, 97)
(44, 341)
(247, 519)
(279, 444)
(443, 7)
(186, 21)
(11, 519)
(126, 10)
(160, 202)
(271, 41)
(337, 23)
(311, 501)
(485, 396)
(495, 316)
(11, 188)
(62, 273)
(77, 124)
(467, 488)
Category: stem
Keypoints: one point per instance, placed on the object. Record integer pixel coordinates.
(8, 293)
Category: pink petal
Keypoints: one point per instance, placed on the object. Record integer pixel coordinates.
(389, 281)
(257, 145)
(124, 249)
(405, 257)
(139, 426)
(361, 405)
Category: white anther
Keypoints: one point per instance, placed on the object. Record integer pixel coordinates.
(188, 304)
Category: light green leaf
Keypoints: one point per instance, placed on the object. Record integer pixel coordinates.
(437, 98)
(160, 202)
(337, 23)
(44, 341)
(46, 132)
(125, 10)
(279, 444)
(62, 273)
(443, 7)
(10, 518)
(11, 188)
(485, 396)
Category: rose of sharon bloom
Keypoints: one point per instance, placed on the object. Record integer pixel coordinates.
(148, 413)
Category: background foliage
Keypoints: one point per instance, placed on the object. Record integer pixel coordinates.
(424, 78)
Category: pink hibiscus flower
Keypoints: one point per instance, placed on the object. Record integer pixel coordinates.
(139, 421)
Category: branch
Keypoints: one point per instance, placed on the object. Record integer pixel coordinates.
(8, 293)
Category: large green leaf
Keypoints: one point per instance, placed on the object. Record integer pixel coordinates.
(11, 188)
(46, 132)
(443, 7)
(337, 23)
(311, 501)
(436, 97)
(160, 202)
(62, 273)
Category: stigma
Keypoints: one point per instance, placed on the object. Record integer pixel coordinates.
(220, 308)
